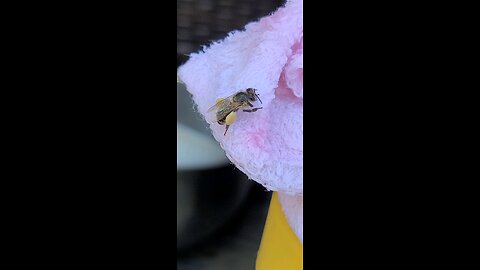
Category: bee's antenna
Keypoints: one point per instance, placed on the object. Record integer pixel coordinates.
(258, 97)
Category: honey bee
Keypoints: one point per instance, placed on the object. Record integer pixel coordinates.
(226, 108)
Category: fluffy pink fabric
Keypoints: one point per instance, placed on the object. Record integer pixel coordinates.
(292, 206)
(267, 145)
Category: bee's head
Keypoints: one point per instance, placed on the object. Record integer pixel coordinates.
(252, 95)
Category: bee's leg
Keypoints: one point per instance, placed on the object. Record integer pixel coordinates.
(250, 104)
(230, 119)
(253, 110)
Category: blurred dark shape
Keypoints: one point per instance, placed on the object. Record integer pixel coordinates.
(207, 198)
(199, 22)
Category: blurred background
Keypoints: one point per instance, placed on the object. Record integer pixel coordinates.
(220, 213)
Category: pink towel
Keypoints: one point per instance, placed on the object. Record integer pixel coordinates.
(267, 145)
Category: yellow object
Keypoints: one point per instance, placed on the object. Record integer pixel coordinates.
(218, 100)
(230, 118)
(280, 248)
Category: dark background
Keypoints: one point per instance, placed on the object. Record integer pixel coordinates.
(200, 22)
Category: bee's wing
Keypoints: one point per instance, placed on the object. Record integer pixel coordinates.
(219, 105)
(221, 109)
(212, 113)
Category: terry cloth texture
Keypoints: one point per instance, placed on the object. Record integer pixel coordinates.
(292, 206)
